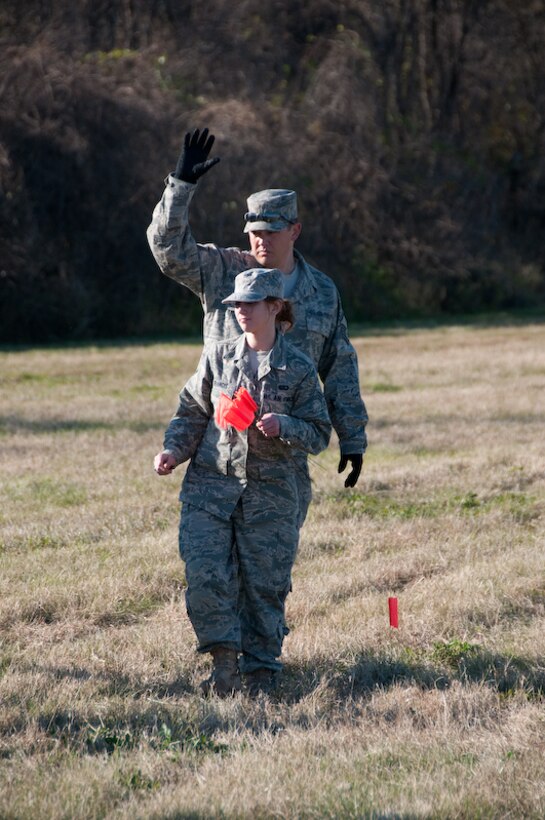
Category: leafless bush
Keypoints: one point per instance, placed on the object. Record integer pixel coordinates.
(412, 130)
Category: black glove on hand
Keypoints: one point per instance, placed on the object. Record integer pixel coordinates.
(356, 460)
(193, 161)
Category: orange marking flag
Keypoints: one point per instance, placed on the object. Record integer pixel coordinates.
(238, 411)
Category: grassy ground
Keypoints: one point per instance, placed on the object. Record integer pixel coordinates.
(443, 717)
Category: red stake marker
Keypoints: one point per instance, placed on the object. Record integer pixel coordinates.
(392, 607)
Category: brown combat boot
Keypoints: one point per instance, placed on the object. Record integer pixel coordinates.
(261, 681)
(225, 678)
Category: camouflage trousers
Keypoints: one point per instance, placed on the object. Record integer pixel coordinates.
(238, 577)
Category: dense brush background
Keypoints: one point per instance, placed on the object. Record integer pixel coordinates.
(413, 131)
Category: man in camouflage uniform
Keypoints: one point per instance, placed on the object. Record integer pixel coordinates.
(320, 328)
(239, 525)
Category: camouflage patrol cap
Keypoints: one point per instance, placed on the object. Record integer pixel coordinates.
(256, 284)
(271, 210)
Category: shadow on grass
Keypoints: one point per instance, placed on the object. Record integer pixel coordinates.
(507, 675)
(157, 726)
(150, 713)
(114, 684)
(142, 711)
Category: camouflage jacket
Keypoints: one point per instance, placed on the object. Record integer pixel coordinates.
(228, 465)
(320, 328)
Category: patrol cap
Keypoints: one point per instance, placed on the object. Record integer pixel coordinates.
(256, 284)
(271, 210)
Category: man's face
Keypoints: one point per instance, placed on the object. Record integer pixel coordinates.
(274, 249)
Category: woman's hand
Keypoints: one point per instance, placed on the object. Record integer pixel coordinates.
(164, 463)
(269, 425)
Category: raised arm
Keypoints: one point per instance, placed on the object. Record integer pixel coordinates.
(205, 269)
(169, 236)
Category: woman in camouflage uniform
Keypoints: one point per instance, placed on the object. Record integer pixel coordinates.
(239, 524)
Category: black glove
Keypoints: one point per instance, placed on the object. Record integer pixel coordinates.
(356, 460)
(193, 162)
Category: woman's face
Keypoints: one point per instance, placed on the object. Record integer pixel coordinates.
(256, 317)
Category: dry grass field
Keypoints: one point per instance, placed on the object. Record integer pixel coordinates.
(100, 715)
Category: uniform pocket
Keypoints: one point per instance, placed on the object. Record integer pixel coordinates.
(319, 323)
(318, 328)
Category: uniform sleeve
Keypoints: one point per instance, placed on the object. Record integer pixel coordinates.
(308, 426)
(338, 369)
(204, 269)
(187, 427)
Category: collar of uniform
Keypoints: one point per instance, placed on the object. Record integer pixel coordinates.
(237, 352)
(305, 285)
(277, 359)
